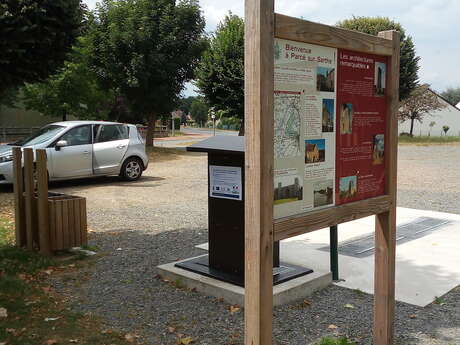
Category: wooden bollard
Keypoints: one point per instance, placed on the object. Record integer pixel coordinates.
(29, 192)
(19, 206)
(42, 200)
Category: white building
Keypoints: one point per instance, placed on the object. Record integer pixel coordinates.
(448, 116)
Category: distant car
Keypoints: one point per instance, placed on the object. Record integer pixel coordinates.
(77, 149)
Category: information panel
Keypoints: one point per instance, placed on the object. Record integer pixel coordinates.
(329, 126)
(225, 182)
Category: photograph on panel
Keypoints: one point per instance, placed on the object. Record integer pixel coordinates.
(346, 118)
(315, 151)
(325, 79)
(380, 78)
(288, 186)
(323, 193)
(348, 187)
(328, 115)
(378, 152)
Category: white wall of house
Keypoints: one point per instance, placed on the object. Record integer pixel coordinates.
(448, 116)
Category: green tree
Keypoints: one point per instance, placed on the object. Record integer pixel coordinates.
(37, 35)
(445, 129)
(185, 103)
(452, 95)
(409, 61)
(432, 124)
(420, 103)
(146, 50)
(73, 90)
(199, 110)
(220, 74)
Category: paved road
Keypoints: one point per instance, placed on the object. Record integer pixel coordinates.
(190, 136)
(206, 131)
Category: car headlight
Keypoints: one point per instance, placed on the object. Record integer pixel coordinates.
(7, 158)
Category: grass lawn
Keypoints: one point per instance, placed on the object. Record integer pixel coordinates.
(284, 201)
(429, 140)
(31, 312)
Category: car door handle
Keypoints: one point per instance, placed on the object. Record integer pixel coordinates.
(86, 152)
(121, 146)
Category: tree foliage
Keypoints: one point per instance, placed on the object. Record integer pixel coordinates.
(147, 49)
(421, 102)
(73, 90)
(199, 110)
(220, 75)
(452, 95)
(36, 36)
(185, 103)
(409, 61)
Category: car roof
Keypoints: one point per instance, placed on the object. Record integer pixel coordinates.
(77, 123)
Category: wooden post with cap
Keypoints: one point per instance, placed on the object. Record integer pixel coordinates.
(259, 87)
(385, 224)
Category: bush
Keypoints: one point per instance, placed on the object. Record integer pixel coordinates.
(231, 123)
(177, 123)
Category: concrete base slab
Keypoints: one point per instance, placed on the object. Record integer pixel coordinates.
(426, 267)
(283, 293)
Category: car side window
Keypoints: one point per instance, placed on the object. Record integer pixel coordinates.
(112, 133)
(78, 136)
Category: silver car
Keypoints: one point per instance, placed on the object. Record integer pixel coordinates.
(77, 149)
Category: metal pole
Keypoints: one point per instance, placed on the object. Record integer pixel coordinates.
(334, 252)
(214, 125)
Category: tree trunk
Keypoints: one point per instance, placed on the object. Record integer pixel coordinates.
(150, 131)
(411, 126)
(241, 132)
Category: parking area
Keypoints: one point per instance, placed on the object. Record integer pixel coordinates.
(163, 216)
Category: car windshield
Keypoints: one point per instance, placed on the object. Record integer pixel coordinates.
(40, 136)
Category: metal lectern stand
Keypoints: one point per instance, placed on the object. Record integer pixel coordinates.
(225, 260)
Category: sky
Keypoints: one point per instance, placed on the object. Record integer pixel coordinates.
(433, 25)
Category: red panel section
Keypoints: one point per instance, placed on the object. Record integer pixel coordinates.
(361, 123)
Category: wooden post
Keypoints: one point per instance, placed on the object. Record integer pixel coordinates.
(43, 210)
(29, 195)
(18, 185)
(385, 225)
(259, 88)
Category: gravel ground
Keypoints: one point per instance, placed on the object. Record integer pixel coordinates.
(160, 219)
(429, 177)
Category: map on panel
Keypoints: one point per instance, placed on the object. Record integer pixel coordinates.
(287, 124)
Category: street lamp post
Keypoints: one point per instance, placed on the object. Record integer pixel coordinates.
(213, 117)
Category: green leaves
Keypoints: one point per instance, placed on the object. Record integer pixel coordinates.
(220, 74)
(147, 49)
(39, 35)
(452, 95)
(73, 90)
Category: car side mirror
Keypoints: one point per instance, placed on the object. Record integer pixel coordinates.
(59, 144)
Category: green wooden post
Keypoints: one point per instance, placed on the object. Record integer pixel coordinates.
(334, 251)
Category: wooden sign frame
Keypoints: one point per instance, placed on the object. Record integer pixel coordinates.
(262, 26)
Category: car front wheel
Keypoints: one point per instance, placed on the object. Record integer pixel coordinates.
(131, 169)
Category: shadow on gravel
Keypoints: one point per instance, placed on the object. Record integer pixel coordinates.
(124, 288)
(6, 188)
(105, 180)
(143, 182)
